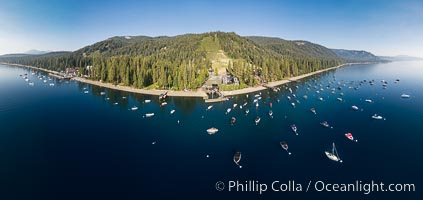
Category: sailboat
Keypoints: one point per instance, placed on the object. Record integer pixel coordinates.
(237, 158)
(294, 129)
(284, 146)
(333, 155)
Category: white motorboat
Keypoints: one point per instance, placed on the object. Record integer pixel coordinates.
(339, 99)
(333, 155)
(368, 101)
(354, 107)
(31, 83)
(86, 91)
(405, 96)
(320, 99)
(134, 108)
(293, 104)
(235, 105)
(149, 114)
(147, 101)
(209, 107)
(247, 111)
(51, 84)
(228, 110)
(172, 111)
(102, 93)
(163, 104)
(378, 117)
(257, 120)
(212, 130)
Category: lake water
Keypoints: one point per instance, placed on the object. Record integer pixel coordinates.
(58, 142)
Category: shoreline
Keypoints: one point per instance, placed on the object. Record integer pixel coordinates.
(198, 93)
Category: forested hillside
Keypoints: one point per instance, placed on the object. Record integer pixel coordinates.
(183, 61)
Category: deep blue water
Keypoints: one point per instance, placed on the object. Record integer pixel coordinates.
(60, 143)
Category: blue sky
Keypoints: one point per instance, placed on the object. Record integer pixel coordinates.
(389, 27)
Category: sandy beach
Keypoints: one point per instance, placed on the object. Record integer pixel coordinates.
(198, 93)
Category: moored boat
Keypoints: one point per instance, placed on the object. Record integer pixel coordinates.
(350, 137)
(313, 110)
(233, 120)
(284, 146)
(149, 114)
(294, 129)
(325, 124)
(378, 117)
(257, 120)
(405, 96)
(134, 108)
(212, 130)
(333, 155)
(172, 111)
(354, 107)
(237, 158)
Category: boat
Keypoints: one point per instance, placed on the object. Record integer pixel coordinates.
(339, 99)
(354, 107)
(255, 100)
(163, 103)
(123, 97)
(86, 92)
(270, 113)
(257, 95)
(284, 146)
(333, 155)
(149, 114)
(405, 96)
(172, 111)
(51, 84)
(233, 120)
(134, 108)
(313, 110)
(26, 79)
(228, 110)
(147, 101)
(31, 83)
(45, 81)
(212, 130)
(378, 117)
(368, 101)
(237, 158)
(350, 137)
(325, 124)
(320, 98)
(257, 120)
(257, 105)
(293, 104)
(116, 103)
(305, 96)
(288, 97)
(209, 108)
(163, 96)
(235, 105)
(294, 129)
(102, 93)
(247, 111)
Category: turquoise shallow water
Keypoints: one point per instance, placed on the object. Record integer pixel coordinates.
(57, 142)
